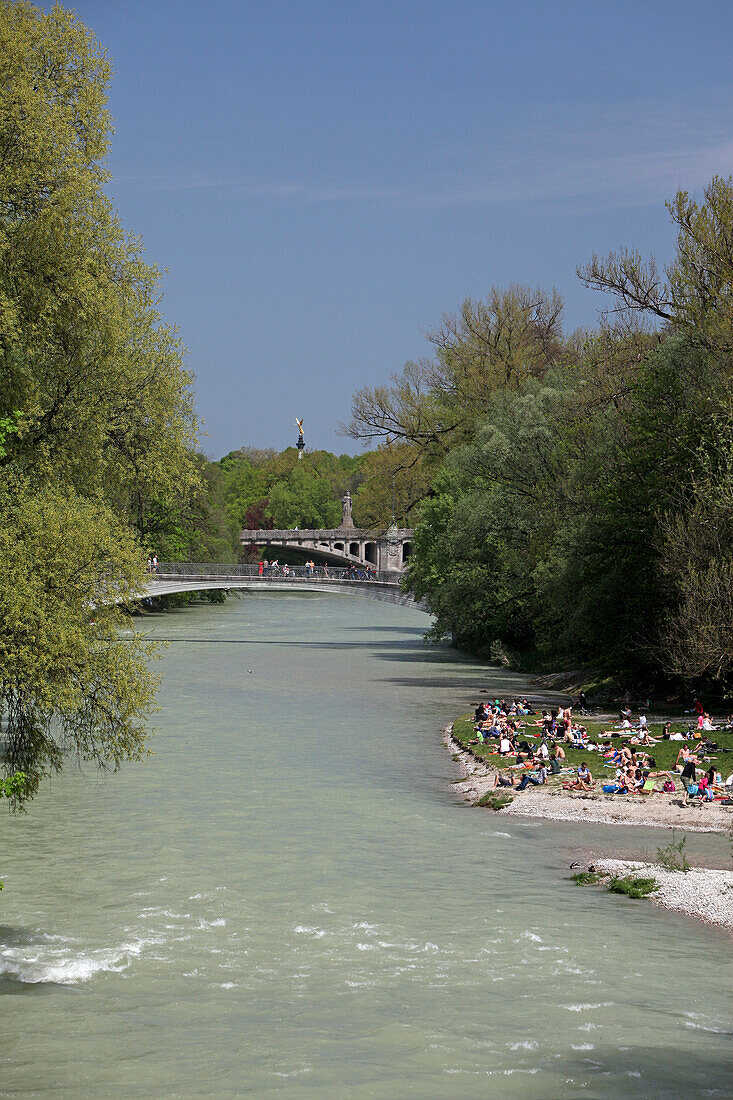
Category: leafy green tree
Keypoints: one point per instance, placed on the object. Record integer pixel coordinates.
(96, 411)
(74, 685)
(193, 525)
(697, 533)
(293, 492)
(93, 375)
(491, 345)
(394, 483)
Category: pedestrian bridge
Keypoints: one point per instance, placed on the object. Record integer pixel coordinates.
(173, 577)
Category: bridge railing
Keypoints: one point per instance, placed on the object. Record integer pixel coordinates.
(223, 571)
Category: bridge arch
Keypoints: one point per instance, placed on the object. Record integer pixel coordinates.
(384, 550)
(175, 577)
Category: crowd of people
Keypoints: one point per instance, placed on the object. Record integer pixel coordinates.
(531, 744)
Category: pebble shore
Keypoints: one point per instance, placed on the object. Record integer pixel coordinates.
(703, 893)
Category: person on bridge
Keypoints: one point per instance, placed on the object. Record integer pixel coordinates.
(260, 568)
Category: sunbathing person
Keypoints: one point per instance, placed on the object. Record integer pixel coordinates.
(501, 780)
(637, 781)
(643, 737)
(584, 779)
(624, 780)
(683, 757)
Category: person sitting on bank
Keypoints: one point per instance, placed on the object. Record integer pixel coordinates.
(555, 767)
(583, 778)
(536, 778)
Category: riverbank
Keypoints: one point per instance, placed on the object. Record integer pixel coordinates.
(704, 893)
(556, 804)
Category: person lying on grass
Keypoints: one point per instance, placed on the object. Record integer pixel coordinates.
(643, 738)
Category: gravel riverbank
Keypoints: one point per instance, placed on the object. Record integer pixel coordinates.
(703, 893)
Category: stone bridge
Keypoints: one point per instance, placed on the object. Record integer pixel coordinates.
(386, 551)
(175, 577)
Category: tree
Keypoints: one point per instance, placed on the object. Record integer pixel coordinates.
(694, 292)
(89, 369)
(488, 346)
(72, 686)
(396, 478)
(697, 635)
(96, 411)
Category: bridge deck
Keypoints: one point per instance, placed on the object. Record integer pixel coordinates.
(171, 579)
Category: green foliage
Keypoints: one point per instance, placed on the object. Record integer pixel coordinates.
(13, 785)
(587, 878)
(193, 524)
(96, 414)
(72, 684)
(632, 886)
(285, 491)
(89, 370)
(395, 480)
(493, 801)
(559, 528)
(673, 856)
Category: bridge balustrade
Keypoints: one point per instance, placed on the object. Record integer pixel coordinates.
(223, 571)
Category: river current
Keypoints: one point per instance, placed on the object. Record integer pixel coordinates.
(287, 899)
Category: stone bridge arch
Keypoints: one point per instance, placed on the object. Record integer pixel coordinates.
(387, 551)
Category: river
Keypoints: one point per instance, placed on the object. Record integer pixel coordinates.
(287, 899)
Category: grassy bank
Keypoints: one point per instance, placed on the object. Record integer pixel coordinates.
(664, 752)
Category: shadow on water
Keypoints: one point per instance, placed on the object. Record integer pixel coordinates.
(10, 936)
(417, 631)
(654, 1071)
(432, 682)
(16, 987)
(407, 651)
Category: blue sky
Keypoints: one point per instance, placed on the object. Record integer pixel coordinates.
(322, 181)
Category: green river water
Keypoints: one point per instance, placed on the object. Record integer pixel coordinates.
(288, 900)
